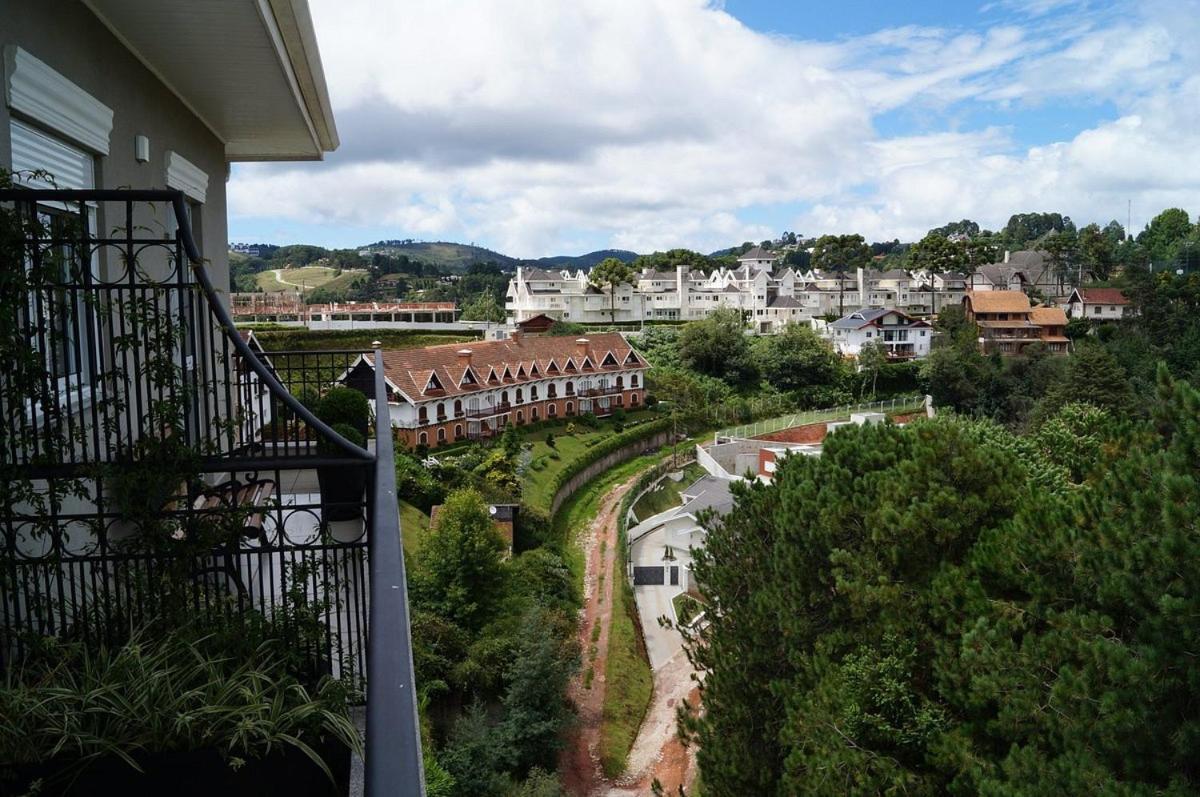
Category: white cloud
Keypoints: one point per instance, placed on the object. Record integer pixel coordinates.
(536, 126)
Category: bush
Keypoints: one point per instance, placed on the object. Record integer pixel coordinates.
(550, 439)
(603, 446)
(345, 405)
(122, 700)
(618, 416)
(347, 431)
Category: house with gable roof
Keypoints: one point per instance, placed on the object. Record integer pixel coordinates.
(441, 394)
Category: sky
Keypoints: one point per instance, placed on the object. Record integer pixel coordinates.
(542, 127)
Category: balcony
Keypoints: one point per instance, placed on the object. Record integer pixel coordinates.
(601, 391)
(153, 462)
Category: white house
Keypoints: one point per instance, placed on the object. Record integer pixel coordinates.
(1098, 304)
(901, 336)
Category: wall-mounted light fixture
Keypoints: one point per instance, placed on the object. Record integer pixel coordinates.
(141, 149)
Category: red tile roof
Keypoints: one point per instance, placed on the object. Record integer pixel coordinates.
(1048, 316)
(998, 301)
(1104, 296)
(418, 373)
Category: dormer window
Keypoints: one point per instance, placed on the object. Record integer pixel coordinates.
(521, 371)
(468, 378)
(433, 383)
(534, 371)
(493, 377)
(507, 373)
(552, 368)
(632, 359)
(571, 366)
(587, 364)
(609, 361)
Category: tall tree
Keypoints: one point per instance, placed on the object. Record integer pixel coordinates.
(611, 273)
(937, 254)
(459, 573)
(841, 253)
(1163, 231)
(718, 346)
(1097, 251)
(798, 358)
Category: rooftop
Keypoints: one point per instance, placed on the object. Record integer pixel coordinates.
(997, 302)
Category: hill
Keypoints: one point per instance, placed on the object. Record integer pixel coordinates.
(443, 254)
(305, 278)
(585, 261)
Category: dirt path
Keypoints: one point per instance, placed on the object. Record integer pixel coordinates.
(278, 272)
(580, 762)
(656, 753)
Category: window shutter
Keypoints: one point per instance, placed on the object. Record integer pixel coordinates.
(71, 168)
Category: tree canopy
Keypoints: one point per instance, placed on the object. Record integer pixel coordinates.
(946, 608)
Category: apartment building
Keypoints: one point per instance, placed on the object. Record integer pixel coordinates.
(442, 394)
(768, 294)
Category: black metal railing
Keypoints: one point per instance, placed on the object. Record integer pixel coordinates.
(151, 457)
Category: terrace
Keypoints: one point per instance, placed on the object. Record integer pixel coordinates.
(144, 437)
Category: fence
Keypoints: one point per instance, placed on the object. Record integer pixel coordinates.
(782, 422)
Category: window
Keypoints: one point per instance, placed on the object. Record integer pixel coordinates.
(458, 431)
(458, 409)
(71, 327)
(423, 414)
(533, 414)
(520, 396)
(633, 399)
(423, 439)
(552, 410)
(520, 416)
(570, 408)
(533, 393)
(441, 435)
(633, 380)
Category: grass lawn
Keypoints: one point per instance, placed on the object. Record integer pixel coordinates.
(630, 684)
(413, 525)
(666, 495)
(307, 276)
(545, 466)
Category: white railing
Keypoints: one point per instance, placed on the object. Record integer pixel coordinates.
(770, 425)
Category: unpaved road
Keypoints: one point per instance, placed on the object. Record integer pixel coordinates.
(656, 753)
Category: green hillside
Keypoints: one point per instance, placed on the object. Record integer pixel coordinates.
(306, 278)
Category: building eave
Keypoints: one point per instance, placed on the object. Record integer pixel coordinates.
(250, 72)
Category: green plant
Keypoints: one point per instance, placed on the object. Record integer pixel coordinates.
(345, 405)
(74, 705)
(550, 439)
(347, 431)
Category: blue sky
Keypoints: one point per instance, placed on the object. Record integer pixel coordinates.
(537, 127)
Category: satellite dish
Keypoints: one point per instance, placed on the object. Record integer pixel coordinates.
(491, 510)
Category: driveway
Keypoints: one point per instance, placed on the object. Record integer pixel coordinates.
(655, 601)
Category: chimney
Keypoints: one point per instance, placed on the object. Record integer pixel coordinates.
(1006, 254)
(581, 346)
(464, 357)
(515, 335)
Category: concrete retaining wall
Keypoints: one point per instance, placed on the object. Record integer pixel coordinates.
(606, 462)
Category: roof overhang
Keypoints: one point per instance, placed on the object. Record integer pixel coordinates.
(249, 69)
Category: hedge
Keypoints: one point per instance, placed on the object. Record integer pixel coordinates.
(607, 446)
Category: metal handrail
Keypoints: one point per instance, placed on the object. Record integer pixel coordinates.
(393, 755)
(184, 232)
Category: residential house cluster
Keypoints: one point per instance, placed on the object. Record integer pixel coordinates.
(769, 293)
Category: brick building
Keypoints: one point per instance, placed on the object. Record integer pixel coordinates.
(441, 394)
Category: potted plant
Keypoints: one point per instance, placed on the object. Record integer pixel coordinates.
(342, 486)
(175, 714)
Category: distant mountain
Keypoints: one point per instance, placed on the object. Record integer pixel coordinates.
(585, 261)
(444, 254)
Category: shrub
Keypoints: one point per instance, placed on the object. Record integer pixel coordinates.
(618, 416)
(244, 706)
(347, 431)
(550, 439)
(571, 427)
(345, 405)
